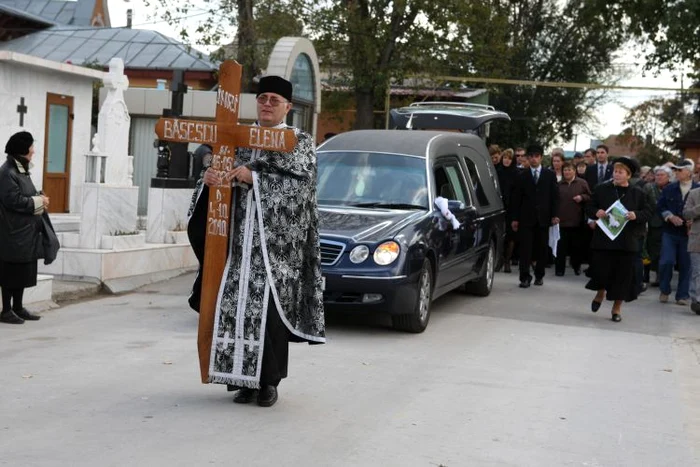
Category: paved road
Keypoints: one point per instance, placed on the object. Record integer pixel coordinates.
(521, 378)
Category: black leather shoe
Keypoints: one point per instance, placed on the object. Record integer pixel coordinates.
(26, 315)
(595, 306)
(695, 306)
(10, 317)
(524, 284)
(244, 396)
(559, 274)
(577, 271)
(617, 317)
(539, 281)
(267, 396)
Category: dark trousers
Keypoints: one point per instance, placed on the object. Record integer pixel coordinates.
(639, 267)
(570, 244)
(654, 246)
(533, 247)
(276, 351)
(586, 237)
(12, 298)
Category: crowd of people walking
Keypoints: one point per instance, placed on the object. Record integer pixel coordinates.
(632, 226)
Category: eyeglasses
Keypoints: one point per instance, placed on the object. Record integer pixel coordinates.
(274, 101)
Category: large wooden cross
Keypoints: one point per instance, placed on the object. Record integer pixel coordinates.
(224, 135)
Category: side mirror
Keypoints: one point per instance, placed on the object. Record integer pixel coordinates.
(456, 205)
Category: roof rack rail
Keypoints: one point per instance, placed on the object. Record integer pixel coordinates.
(456, 104)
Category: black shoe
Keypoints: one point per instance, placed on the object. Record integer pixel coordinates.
(539, 281)
(26, 315)
(10, 317)
(506, 267)
(267, 396)
(617, 317)
(559, 274)
(595, 306)
(524, 284)
(577, 271)
(244, 396)
(695, 306)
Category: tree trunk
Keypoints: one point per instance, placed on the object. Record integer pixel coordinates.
(246, 44)
(364, 115)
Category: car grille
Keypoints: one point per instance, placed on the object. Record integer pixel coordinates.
(330, 252)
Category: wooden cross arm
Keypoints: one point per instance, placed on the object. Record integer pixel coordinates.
(213, 133)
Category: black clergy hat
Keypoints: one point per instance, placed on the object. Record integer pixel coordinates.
(275, 84)
(535, 150)
(19, 144)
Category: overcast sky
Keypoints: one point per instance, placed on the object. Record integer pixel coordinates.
(610, 115)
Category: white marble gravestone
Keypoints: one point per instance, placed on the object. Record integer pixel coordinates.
(110, 208)
(113, 123)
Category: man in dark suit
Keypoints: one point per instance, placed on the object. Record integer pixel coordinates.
(534, 208)
(602, 170)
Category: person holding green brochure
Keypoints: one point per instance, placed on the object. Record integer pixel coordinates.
(612, 260)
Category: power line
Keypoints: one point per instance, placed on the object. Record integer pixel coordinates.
(554, 84)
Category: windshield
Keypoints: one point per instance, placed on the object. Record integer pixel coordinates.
(371, 179)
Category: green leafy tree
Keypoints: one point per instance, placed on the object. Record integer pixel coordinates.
(545, 40)
(670, 32)
(652, 126)
(368, 43)
(670, 27)
(258, 24)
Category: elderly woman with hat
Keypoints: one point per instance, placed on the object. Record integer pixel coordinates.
(21, 207)
(612, 262)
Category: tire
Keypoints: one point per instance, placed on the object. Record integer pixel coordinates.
(417, 321)
(483, 285)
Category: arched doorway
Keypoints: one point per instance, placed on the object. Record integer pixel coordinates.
(294, 58)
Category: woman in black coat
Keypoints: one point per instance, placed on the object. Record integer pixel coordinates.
(21, 207)
(612, 261)
(507, 173)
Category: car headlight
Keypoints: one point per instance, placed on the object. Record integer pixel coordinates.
(359, 254)
(386, 253)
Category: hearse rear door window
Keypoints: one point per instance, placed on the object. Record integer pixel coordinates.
(476, 183)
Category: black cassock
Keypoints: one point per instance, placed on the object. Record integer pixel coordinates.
(272, 279)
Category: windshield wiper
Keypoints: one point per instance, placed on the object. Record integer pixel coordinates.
(388, 205)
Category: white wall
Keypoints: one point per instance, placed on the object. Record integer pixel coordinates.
(33, 83)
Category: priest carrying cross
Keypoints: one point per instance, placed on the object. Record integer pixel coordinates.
(271, 291)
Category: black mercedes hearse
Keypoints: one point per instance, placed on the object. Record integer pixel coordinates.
(385, 246)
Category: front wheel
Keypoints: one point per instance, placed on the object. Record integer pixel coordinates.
(483, 285)
(417, 321)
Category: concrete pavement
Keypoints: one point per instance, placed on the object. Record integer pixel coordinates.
(522, 378)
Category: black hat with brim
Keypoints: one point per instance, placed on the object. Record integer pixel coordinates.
(632, 164)
(535, 150)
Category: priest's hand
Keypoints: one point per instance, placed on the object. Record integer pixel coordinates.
(211, 178)
(242, 174)
(601, 214)
(631, 215)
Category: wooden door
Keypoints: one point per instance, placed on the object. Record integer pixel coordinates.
(57, 154)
